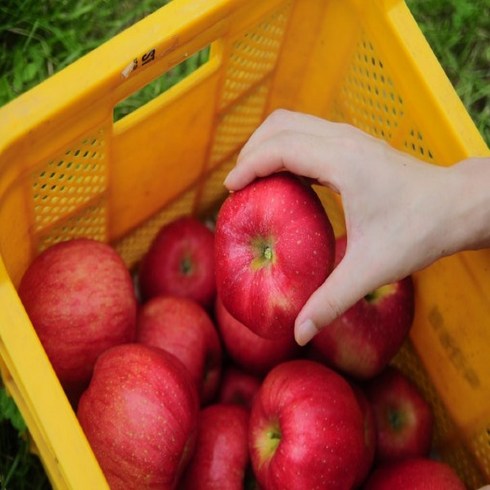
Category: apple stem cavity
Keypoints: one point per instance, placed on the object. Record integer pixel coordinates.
(270, 440)
(186, 266)
(274, 438)
(396, 419)
(264, 253)
(379, 293)
(268, 253)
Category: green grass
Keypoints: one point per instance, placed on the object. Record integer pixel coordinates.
(459, 34)
(38, 39)
(19, 468)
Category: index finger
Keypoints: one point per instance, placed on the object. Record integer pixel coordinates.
(295, 152)
(283, 120)
(301, 143)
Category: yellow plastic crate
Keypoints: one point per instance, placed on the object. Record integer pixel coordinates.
(67, 169)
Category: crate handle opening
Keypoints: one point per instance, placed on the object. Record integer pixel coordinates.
(160, 84)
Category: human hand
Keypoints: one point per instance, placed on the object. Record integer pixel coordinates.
(396, 207)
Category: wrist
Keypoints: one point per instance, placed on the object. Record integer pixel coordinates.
(469, 211)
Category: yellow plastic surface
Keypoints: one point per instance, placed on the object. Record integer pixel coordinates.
(67, 170)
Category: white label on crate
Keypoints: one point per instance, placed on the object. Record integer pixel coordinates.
(142, 60)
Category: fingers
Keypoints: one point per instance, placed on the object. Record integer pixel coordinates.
(300, 153)
(282, 120)
(378, 186)
(285, 141)
(349, 281)
(280, 152)
(327, 303)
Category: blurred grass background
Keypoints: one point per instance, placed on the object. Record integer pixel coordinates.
(38, 39)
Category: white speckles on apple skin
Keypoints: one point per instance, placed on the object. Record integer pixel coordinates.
(268, 298)
(357, 343)
(141, 403)
(317, 415)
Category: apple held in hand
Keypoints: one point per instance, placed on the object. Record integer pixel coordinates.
(404, 419)
(274, 247)
(140, 416)
(180, 262)
(182, 327)
(414, 474)
(363, 340)
(306, 429)
(80, 299)
(253, 353)
(221, 457)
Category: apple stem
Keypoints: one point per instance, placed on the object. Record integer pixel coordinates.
(396, 419)
(379, 293)
(269, 440)
(370, 296)
(263, 253)
(186, 266)
(274, 434)
(274, 438)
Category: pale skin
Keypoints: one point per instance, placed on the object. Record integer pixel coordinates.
(401, 214)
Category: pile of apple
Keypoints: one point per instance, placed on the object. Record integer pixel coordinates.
(185, 373)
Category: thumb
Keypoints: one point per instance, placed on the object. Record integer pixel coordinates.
(343, 287)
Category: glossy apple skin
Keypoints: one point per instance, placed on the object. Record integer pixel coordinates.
(404, 419)
(274, 247)
(310, 412)
(80, 299)
(140, 416)
(180, 262)
(414, 474)
(363, 340)
(221, 457)
(183, 327)
(252, 352)
(238, 386)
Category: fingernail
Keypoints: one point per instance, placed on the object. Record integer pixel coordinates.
(228, 177)
(305, 332)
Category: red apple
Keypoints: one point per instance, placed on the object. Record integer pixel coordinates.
(363, 340)
(81, 301)
(182, 327)
(140, 415)
(414, 474)
(404, 419)
(238, 386)
(274, 247)
(306, 429)
(247, 349)
(221, 457)
(366, 462)
(180, 262)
